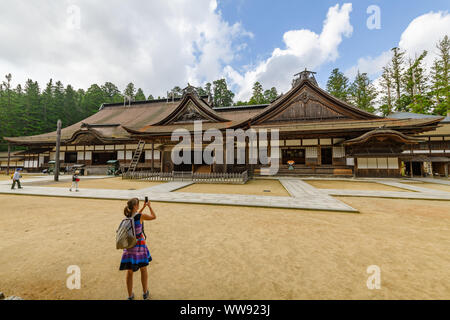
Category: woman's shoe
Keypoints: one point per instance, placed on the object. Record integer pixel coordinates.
(131, 298)
(146, 295)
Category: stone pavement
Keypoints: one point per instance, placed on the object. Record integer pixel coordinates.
(433, 180)
(303, 195)
(439, 195)
(312, 201)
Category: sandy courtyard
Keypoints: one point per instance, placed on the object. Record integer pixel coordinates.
(352, 185)
(255, 187)
(216, 252)
(107, 183)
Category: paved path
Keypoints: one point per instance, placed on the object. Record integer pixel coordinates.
(306, 193)
(303, 195)
(406, 186)
(432, 180)
(389, 194)
(167, 187)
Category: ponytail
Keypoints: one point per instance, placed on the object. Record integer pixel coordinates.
(128, 210)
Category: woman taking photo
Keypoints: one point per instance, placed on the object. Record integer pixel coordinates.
(138, 257)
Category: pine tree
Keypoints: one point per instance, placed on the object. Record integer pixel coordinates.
(270, 95)
(387, 85)
(440, 87)
(363, 93)
(140, 96)
(222, 96)
(258, 94)
(338, 85)
(414, 82)
(112, 93)
(130, 91)
(397, 62)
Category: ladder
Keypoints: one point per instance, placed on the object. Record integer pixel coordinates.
(137, 155)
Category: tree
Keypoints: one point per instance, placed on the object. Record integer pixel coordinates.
(363, 93)
(270, 95)
(440, 87)
(258, 94)
(176, 92)
(93, 99)
(150, 97)
(112, 93)
(222, 96)
(387, 85)
(140, 96)
(130, 91)
(337, 85)
(415, 83)
(397, 62)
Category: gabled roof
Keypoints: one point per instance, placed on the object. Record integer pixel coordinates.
(383, 134)
(304, 92)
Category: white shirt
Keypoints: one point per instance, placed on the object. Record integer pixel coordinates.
(16, 175)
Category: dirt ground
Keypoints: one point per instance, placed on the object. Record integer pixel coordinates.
(255, 187)
(352, 185)
(108, 183)
(218, 252)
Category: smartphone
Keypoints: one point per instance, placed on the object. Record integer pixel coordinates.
(146, 199)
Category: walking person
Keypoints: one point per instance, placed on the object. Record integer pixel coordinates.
(75, 180)
(137, 257)
(16, 179)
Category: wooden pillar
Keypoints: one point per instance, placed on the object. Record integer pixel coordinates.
(153, 155)
(9, 158)
(161, 159)
(58, 143)
(410, 168)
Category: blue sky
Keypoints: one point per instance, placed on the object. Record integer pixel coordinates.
(268, 20)
(160, 44)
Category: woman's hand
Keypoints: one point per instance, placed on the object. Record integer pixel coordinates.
(148, 204)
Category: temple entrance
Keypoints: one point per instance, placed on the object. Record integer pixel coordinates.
(99, 158)
(326, 156)
(190, 166)
(296, 155)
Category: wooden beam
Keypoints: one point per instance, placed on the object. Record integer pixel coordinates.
(153, 155)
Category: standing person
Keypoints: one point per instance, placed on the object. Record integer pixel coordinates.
(75, 180)
(138, 257)
(16, 178)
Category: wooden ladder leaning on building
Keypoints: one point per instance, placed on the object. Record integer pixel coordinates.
(137, 155)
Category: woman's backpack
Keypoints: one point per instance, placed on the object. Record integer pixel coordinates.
(126, 234)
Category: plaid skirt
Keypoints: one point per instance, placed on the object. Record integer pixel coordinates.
(136, 257)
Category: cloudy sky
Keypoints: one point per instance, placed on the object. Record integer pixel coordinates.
(158, 44)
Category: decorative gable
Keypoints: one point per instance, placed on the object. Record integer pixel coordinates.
(191, 109)
(190, 113)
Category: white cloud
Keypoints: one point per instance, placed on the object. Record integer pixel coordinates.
(303, 48)
(155, 44)
(421, 34)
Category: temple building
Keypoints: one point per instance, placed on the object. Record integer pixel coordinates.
(319, 133)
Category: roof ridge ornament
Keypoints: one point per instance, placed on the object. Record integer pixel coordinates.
(190, 90)
(304, 75)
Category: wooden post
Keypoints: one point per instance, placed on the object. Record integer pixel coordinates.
(153, 155)
(9, 158)
(410, 168)
(58, 144)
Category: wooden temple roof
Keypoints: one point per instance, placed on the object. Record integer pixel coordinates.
(304, 108)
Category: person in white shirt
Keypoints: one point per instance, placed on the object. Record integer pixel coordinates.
(75, 180)
(16, 179)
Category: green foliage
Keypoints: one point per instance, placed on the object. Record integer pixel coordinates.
(440, 86)
(222, 96)
(338, 85)
(363, 93)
